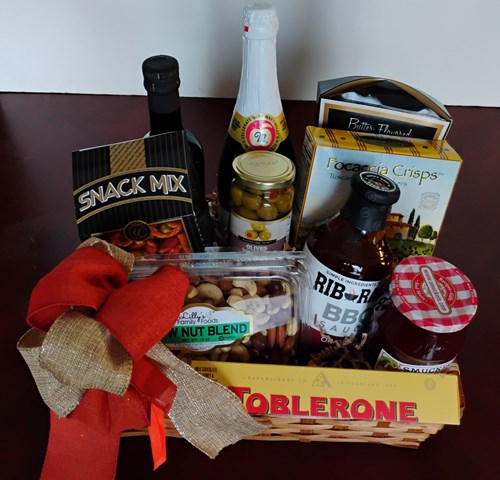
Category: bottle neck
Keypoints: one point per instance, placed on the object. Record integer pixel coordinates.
(366, 216)
(258, 90)
(164, 112)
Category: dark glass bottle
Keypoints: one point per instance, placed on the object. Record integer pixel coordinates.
(162, 81)
(350, 262)
(258, 121)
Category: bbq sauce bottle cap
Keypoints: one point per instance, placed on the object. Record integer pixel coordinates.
(370, 201)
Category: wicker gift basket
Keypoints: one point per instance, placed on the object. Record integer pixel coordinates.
(347, 354)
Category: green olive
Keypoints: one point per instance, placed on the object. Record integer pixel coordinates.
(272, 196)
(247, 213)
(252, 202)
(251, 234)
(258, 227)
(268, 212)
(236, 195)
(284, 203)
(265, 235)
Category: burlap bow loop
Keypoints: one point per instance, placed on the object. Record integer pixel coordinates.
(96, 357)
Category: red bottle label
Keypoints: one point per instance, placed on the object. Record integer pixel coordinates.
(259, 131)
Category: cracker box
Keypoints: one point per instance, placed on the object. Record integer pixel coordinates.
(425, 171)
(380, 106)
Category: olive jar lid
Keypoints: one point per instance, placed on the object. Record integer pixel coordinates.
(433, 294)
(264, 170)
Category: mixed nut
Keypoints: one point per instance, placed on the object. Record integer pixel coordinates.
(266, 301)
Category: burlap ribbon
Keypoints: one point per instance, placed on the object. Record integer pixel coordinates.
(96, 357)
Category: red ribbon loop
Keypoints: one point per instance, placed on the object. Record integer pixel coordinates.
(138, 315)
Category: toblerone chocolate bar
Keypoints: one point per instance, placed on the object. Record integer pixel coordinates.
(336, 393)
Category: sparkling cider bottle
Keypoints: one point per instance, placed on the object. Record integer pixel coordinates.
(258, 121)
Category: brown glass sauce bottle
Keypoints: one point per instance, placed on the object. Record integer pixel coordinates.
(349, 262)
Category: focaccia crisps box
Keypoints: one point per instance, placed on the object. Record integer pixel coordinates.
(424, 170)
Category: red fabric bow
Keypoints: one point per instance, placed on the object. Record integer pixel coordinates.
(138, 315)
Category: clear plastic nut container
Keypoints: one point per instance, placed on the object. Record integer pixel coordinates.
(261, 201)
(239, 307)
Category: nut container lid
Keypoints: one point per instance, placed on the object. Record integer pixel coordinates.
(433, 294)
(264, 170)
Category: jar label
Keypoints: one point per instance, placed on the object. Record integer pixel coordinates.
(258, 234)
(200, 328)
(340, 306)
(260, 131)
(386, 361)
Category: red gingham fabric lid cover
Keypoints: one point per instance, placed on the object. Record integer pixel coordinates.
(433, 294)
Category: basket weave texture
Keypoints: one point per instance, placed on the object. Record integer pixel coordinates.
(347, 354)
(396, 434)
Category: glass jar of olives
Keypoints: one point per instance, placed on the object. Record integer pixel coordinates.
(261, 201)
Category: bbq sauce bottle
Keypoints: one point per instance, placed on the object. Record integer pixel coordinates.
(162, 81)
(258, 121)
(349, 262)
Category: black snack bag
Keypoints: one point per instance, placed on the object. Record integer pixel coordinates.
(143, 195)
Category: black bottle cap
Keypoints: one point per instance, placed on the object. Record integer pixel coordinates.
(370, 201)
(161, 74)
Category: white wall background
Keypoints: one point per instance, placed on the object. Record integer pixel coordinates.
(450, 49)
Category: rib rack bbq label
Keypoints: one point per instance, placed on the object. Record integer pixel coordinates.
(340, 305)
(143, 195)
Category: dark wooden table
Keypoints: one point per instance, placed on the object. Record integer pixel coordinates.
(38, 133)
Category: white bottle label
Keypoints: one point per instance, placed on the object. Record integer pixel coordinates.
(386, 361)
(258, 234)
(340, 305)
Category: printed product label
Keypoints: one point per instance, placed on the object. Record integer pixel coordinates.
(200, 328)
(259, 235)
(338, 393)
(340, 305)
(386, 361)
(259, 131)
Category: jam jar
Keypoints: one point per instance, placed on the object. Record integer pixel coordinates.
(261, 199)
(423, 327)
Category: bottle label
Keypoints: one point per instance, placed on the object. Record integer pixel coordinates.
(257, 234)
(200, 328)
(260, 131)
(386, 361)
(340, 306)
